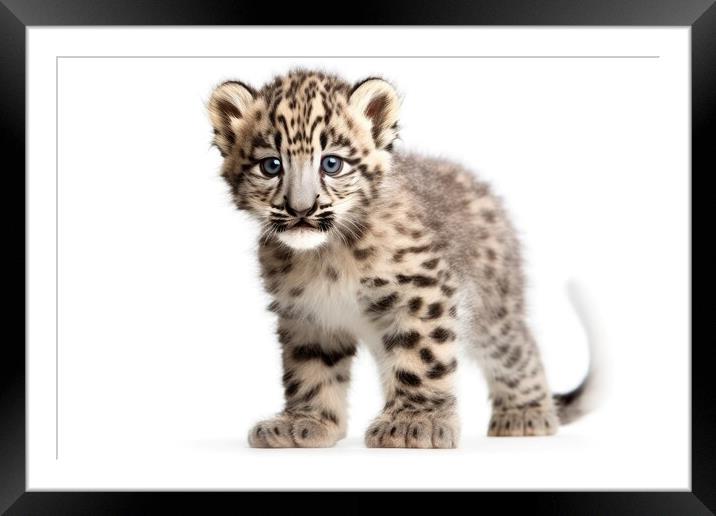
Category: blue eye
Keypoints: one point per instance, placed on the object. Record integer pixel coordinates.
(331, 165)
(271, 166)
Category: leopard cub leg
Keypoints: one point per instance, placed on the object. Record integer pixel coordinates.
(416, 428)
(522, 403)
(316, 374)
(418, 356)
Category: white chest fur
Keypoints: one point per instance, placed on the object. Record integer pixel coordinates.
(330, 293)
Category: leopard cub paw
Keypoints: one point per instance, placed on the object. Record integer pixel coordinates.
(294, 431)
(413, 430)
(523, 422)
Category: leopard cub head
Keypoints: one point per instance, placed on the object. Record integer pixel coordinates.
(306, 153)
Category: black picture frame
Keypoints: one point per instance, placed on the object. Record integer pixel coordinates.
(17, 15)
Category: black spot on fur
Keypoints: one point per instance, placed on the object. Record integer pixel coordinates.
(312, 393)
(414, 304)
(406, 340)
(384, 304)
(417, 398)
(513, 358)
(315, 352)
(374, 282)
(292, 388)
(439, 370)
(426, 355)
(284, 336)
(408, 378)
(431, 264)
(227, 110)
(400, 254)
(330, 416)
(331, 273)
(434, 311)
(448, 291)
(418, 280)
(424, 281)
(441, 334)
(362, 254)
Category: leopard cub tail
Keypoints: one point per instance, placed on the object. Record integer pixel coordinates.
(588, 395)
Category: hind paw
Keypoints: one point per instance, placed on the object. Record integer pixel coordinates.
(523, 422)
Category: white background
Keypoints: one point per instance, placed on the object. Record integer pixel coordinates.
(166, 355)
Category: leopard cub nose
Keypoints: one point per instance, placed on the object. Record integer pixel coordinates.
(295, 212)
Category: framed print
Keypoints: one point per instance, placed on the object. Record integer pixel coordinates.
(433, 249)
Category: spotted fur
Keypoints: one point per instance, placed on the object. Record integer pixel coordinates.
(403, 253)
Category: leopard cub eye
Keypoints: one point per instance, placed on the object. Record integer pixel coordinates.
(331, 165)
(271, 166)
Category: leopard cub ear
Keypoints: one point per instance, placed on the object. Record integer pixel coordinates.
(377, 100)
(228, 104)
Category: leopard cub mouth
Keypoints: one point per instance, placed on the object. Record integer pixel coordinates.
(303, 224)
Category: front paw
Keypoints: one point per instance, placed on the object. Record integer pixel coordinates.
(293, 431)
(413, 430)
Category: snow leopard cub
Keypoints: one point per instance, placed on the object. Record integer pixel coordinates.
(404, 253)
